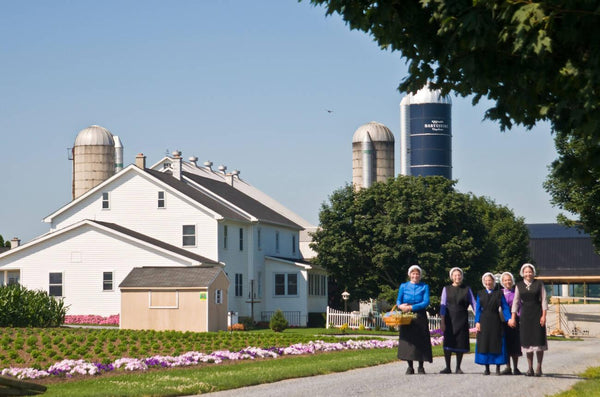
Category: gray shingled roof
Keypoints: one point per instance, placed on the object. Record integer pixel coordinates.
(197, 195)
(171, 277)
(558, 251)
(156, 242)
(243, 201)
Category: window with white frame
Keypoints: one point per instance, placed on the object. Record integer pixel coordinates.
(189, 235)
(218, 296)
(277, 241)
(286, 284)
(105, 201)
(107, 281)
(293, 243)
(241, 239)
(239, 286)
(225, 230)
(317, 285)
(13, 277)
(161, 200)
(55, 284)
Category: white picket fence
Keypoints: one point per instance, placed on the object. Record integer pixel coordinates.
(337, 318)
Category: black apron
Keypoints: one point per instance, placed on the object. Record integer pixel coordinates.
(414, 343)
(456, 334)
(532, 333)
(489, 339)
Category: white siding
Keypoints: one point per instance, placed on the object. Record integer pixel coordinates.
(82, 255)
(133, 204)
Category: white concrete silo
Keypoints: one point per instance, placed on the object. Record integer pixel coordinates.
(93, 158)
(372, 154)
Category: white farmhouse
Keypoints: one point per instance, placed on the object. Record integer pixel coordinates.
(174, 213)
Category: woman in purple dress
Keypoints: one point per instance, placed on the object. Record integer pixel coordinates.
(513, 341)
(531, 295)
(455, 302)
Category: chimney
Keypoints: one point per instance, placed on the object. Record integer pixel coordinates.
(14, 243)
(140, 161)
(176, 169)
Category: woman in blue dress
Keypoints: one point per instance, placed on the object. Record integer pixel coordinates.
(490, 347)
(414, 341)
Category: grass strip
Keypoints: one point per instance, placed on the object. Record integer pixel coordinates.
(585, 388)
(175, 382)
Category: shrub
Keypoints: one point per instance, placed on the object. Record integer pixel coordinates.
(247, 322)
(278, 322)
(317, 320)
(344, 328)
(20, 307)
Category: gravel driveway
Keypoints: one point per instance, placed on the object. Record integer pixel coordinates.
(562, 362)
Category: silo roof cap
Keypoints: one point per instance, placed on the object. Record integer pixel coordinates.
(94, 135)
(426, 95)
(377, 131)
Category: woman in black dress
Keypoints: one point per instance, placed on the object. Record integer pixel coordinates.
(455, 302)
(531, 295)
(513, 340)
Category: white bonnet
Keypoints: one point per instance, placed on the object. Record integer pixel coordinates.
(526, 265)
(415, 267)
(452, 271)
(511, 276)
(488, 274)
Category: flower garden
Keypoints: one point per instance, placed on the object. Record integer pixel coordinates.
(36, 353)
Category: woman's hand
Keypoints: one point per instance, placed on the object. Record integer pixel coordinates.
(478, 327)
(543, 321)
(512, 323)
(405, 307)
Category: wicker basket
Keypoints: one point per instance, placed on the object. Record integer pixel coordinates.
(394, 319)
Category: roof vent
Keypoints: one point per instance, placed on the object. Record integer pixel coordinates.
(223, 168)
(176, 153)
(208, 164)
(193, 160)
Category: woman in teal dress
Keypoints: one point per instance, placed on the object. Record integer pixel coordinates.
(414, 341)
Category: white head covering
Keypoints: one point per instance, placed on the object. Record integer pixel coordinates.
(452, 271)
(488, 274)
(415, 267)
(523, 268)
(502, 276)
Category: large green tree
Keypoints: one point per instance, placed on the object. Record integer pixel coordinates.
(369, 238)
(535, 59)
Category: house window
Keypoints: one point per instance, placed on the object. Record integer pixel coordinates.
(218, 296)
(241, 239)
(12, 278)
(239, 290)
(258, 240)
(286, 284)
(107, 281)
(276, 241)
(161, 200)
(317, 285)
(225, 237)
(294, 244)
(189, 235)
(105, 201)
(55, 284)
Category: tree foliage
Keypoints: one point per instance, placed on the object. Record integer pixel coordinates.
(369, 238)
(535, 59)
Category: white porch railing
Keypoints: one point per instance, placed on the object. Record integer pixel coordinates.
(337, 318)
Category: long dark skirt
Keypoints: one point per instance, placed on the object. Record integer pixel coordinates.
(513, 340)
(415, 342)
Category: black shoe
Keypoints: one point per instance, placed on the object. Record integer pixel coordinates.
(446, 371)
(421, 370)
(498, 371)
(458, 371)
(507, 371)
(529, 373)
(486, 372)
(538, 372)
(410, 371)
(517, 372)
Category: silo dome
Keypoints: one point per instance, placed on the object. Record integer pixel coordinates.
(372, 154)
(425, 95)
(93, 158)
(377, 132)
(94, 135)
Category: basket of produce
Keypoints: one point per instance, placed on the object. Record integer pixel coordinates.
(395, 318)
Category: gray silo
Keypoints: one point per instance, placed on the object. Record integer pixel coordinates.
(426, 134)
(93, 159)
(372, 154)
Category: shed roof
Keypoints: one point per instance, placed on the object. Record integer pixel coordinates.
(554, 230)
(171, 277)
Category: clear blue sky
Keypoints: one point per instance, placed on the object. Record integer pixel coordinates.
(241, 83)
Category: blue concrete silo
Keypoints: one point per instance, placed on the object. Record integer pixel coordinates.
(426, 134)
